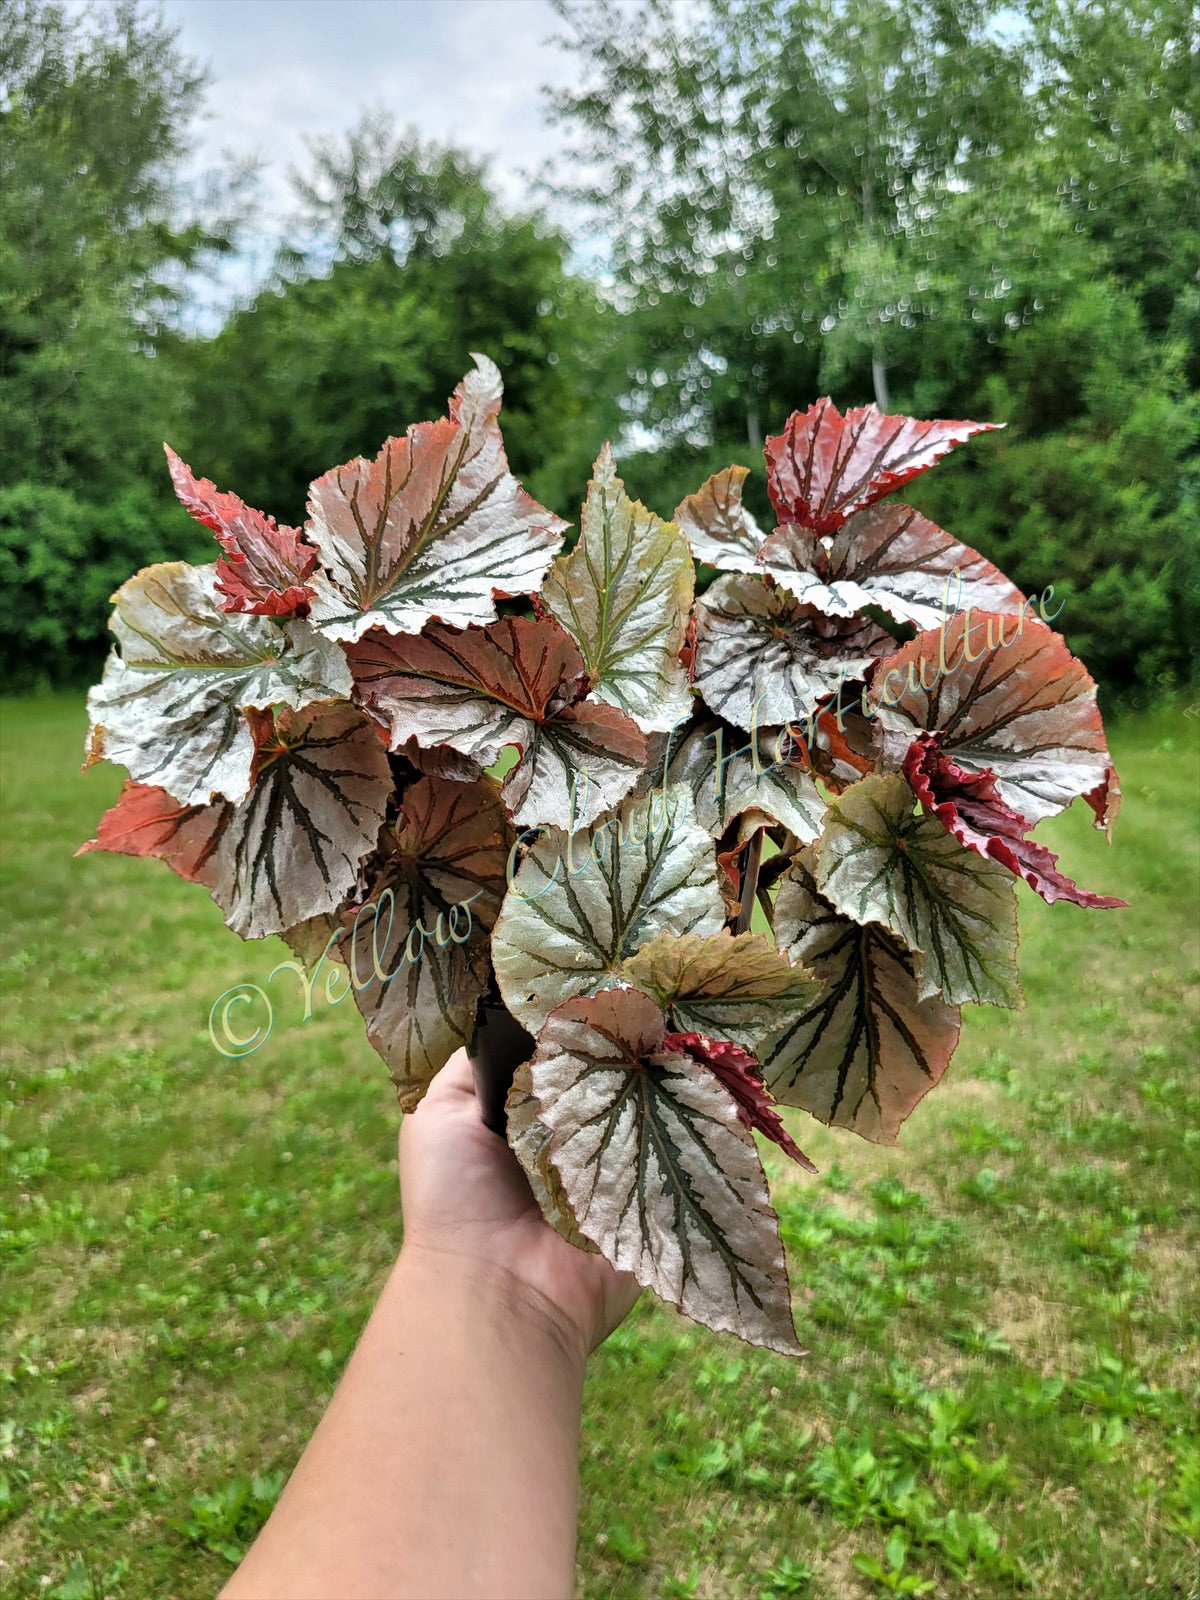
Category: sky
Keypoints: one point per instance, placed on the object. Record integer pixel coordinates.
(467, 72)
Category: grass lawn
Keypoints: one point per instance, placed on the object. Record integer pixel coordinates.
(999, 1396)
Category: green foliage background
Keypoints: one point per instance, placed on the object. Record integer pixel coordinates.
(911, 203)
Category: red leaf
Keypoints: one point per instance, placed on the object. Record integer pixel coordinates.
(1022, 707)
(969, 806)
(147, 821)
(264, 567)
(687, 652)
(738, 1071)
(512, 682)
(824, 466)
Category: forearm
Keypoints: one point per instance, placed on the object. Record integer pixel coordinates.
(446, 1467)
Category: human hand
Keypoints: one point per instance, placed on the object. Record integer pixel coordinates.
(466, 1202)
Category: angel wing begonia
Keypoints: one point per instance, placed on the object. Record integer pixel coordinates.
(868, 1046)
(718, 526)
(431, 900)
(969, 806)
(581, 903)
(880, 862)
(171, 703)
(659, 1169)
(1006, 696)
(624, 595)
(763, 658)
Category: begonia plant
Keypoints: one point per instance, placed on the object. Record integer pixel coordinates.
(758, 846)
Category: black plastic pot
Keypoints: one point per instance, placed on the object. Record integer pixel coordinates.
(500, 1046)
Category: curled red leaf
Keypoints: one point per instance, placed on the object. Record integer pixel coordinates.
(264, 568)
(738, 1071)
(969, 805)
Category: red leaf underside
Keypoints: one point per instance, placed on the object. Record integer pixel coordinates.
(969, 806)
(264, 568)
(147, 821)
(737, 1070)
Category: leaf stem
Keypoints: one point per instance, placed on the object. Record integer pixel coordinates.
(749, 881)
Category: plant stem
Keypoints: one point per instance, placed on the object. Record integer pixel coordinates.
(749, 882)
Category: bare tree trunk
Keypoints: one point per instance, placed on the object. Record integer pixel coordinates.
(879, 379)
(754, 430)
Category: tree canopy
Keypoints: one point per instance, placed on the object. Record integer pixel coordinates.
(949, 209)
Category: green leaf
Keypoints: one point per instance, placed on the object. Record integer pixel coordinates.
(432, 896)
(659, 1170)
(740, 988)
(582, 903)
(878, 862)
(868, 1047)
(169, 706)
(624, 595)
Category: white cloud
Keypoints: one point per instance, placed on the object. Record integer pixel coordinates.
(462, 71)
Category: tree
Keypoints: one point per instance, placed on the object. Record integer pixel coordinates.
(404, 264)
(93, 113)
(1118, 94)
(955, 214)
(94, 245)
(777, 163)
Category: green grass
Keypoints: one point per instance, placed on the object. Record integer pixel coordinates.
(999, 1395)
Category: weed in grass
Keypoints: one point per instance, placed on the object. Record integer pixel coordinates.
(618, 1541)
(227, 1522)
(891, 1578)
(787, 1577)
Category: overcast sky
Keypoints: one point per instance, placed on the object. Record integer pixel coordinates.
(467, 72)
(463, 71)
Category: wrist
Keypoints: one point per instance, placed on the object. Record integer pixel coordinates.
(455, 1284)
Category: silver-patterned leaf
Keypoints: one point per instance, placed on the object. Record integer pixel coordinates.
(514, 682)
(825, 466)
(724, 986)
(291, 850)
(717, 525)
(624, 595)
(868, 1047)
(1005, 695)
(529, 1139)
(879, 862)
(763, 659)
(435, 527)
(658, 1168)
(581, 903)
(425, 920)
(726, 783)
(169, 706)
(892, 557)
